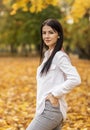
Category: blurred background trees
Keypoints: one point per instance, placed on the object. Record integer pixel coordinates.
(20, 23)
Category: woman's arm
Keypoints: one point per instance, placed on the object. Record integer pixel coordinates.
(72, 77)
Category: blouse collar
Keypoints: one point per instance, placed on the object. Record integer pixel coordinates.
(48, 53)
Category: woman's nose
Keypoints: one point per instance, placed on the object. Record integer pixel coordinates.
(47, 35)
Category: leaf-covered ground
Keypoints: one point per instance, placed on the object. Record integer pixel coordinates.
(18, 95)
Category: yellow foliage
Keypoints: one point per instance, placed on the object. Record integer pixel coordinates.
(6, 1)
(36, 6)
(79, 8)
(52, 2)
(15, 8)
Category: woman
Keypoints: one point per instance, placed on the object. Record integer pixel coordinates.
(55, 78)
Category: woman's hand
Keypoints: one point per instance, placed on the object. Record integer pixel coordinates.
(54, 101)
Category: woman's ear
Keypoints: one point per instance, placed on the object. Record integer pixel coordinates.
(58, 37)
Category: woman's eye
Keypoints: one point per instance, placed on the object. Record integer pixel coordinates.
(43, 32)
(51, 32)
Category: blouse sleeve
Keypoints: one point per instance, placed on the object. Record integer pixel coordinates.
(72, 76)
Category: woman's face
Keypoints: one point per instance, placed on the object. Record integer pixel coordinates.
(49, 36)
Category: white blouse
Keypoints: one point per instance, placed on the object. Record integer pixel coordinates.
(61, 78)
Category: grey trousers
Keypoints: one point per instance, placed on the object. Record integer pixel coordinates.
(50, 119)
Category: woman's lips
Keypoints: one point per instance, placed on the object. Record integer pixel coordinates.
(47, 40)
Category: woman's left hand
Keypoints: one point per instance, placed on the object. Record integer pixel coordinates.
(54, 101)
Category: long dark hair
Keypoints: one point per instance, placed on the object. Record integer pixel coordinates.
(56, 26)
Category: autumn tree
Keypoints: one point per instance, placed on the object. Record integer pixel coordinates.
(75, 9)
(28, 15)
(23, 28)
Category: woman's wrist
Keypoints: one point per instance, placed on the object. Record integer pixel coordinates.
(53, 97)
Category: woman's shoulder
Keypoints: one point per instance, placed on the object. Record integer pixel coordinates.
(61, 53)
(61, 56)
